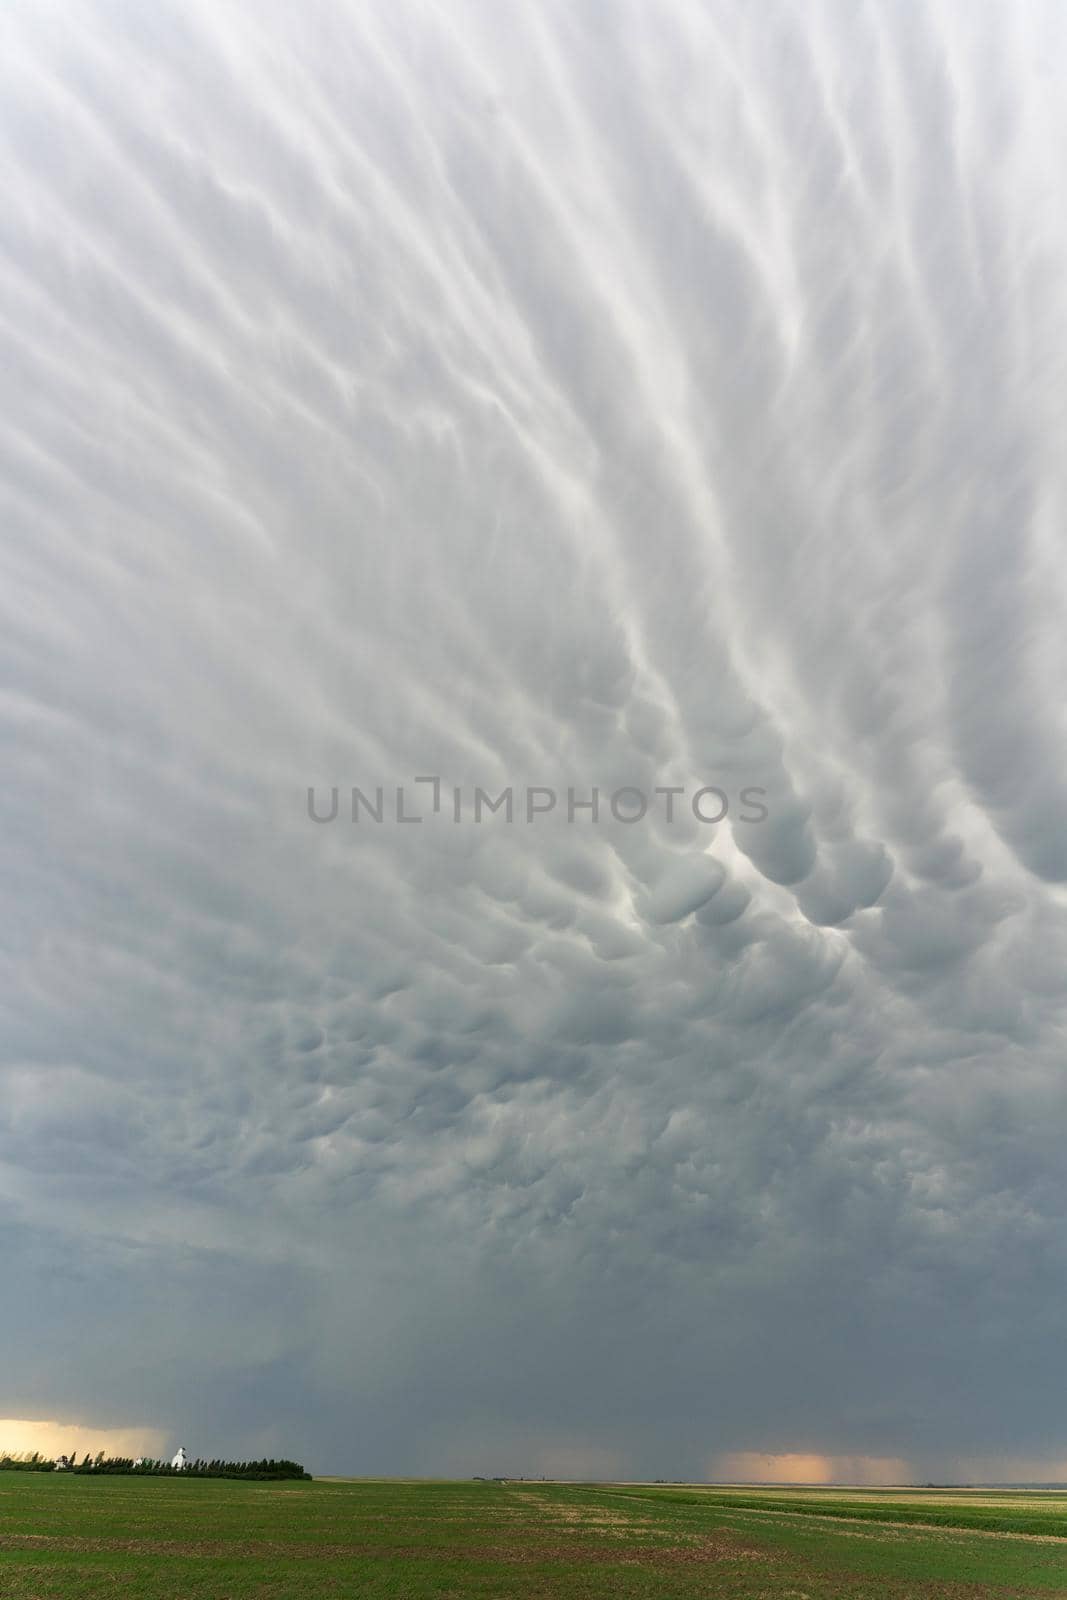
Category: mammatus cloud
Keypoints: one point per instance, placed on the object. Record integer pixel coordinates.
(553, 395)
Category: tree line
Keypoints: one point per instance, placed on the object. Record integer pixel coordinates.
(267, 1468)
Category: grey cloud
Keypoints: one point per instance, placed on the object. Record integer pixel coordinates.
(540, 397)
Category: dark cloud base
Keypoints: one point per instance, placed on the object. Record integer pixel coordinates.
(553, 395)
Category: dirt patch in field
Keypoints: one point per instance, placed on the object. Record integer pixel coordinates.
(593, 1515)
(713, 1548)
(872, 1528)
(715, 1554)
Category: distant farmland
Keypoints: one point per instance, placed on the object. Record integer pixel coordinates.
(73, 1538)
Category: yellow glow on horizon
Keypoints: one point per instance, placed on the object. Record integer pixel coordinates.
(19, 1435)
(751, 1466)
(756, 1466)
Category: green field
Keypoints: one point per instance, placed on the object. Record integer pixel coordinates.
(174, 1539)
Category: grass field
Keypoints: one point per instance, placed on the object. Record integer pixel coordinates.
(172, 1539)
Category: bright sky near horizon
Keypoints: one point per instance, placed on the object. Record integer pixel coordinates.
(64, 1439)
(567, 394)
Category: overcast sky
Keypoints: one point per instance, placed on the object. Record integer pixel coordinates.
(543, 395)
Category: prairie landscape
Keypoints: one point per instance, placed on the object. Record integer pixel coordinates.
(533, 842)
(165, 1539)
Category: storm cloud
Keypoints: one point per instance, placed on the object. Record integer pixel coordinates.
(560, 395)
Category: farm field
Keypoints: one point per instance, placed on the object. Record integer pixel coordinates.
(75, 1538)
